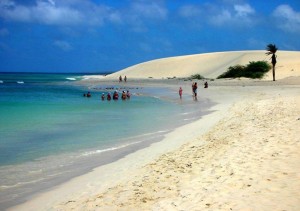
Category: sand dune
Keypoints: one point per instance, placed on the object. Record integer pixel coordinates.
(210, 65)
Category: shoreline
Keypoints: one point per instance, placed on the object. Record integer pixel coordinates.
(86, 192)
(105, 158)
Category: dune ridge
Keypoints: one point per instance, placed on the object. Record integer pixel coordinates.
(210, 65)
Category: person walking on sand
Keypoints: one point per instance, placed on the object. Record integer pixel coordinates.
(180, 92)
(120, 78)
(125, 79)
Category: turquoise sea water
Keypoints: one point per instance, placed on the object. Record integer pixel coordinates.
(50, 132)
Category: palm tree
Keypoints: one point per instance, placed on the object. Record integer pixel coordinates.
(271, 48)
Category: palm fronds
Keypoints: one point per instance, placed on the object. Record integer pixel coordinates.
(271, 49)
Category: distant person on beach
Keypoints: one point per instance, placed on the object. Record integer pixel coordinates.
(115, 95)
(103, 96)
(193, 91)
(108, 96)
(120, 79)
(124, 95)
(128, 94)
(205, 85)
(195, 87)
(180, 92)
(125, 79)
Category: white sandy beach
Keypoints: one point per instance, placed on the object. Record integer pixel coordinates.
(244, 155)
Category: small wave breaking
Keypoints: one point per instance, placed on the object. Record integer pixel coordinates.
(71, 79)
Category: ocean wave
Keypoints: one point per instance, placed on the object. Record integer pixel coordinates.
(3, 187)
(1, 82)
(186, 113)
(71, 79)
(189, 119)
(124, 145)
(20, 82)
(108, 149)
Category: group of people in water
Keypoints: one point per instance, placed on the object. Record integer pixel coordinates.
(126, 94)
(194, 90)
(115, 96)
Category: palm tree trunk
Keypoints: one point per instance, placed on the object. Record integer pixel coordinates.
(273, 72)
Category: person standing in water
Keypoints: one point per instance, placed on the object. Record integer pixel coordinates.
(124, 96)
(205, 85)
(195, 87)
(180, 92)
(128, 94)
(108, 96)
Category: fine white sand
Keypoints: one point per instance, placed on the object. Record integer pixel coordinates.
(244, 155)
(210, 65)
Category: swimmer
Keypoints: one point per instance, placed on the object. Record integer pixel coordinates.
(108, 96)
(128, 94)
(124, 95)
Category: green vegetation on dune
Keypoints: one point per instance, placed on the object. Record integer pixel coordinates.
(252, 70)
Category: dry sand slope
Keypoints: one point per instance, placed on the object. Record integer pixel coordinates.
(210, 65)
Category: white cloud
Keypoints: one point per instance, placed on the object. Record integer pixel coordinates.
(52, 2)
(243, 10)
(188, 11)
(288, 18)
(63, 45)
(83, 12)
(224, 16)
(238, 15)
(149, 10)
(139, 13)
(48, 13)
(53, 12)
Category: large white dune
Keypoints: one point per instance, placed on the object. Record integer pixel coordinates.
(210, 65)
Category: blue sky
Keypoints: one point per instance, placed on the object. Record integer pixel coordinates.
(109, 35)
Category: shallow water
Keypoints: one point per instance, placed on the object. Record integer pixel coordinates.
(50, 132)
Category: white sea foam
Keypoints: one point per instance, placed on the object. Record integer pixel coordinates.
(108, 149)
(20, 82)
(185, 113)
(189, 119)
(124, 145)
(20, 184)
(1, 82)
(71, 79)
